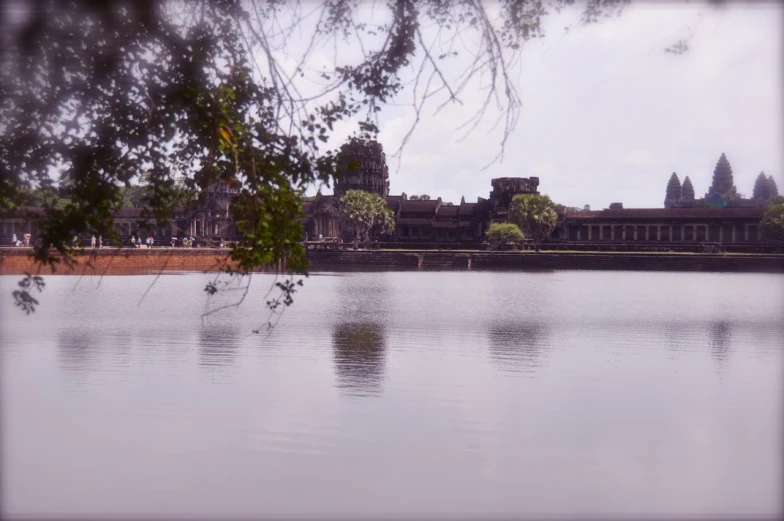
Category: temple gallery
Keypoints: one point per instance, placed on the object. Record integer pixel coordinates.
(721, 216)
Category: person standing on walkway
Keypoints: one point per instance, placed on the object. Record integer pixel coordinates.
(92, 242)
(14, 240)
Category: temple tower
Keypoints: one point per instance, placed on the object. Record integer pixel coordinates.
(761, 188)
(722, 186)
(687, 191)
(362, 165)
(673, 194)
(505, 188)
(773, 189)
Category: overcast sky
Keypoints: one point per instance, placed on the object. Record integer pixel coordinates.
(608, 116)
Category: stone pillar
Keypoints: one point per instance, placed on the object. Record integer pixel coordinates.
(623, 232)
(733, 232)
(683, 232)
(601, 232)
(658, 232)
(746, 232)
(579, 229)
(721, 233)
(635, 232)
(670, 237)
(612, 232)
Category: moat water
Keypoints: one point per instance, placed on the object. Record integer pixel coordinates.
(397, 393)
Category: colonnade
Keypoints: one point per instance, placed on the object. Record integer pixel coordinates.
(698, 232)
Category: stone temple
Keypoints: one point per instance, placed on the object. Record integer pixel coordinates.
(722, 217)
(721, 193)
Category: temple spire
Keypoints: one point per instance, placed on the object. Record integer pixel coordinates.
(722, 185)
(773, 190)
(687, 190)
(761, 187)
(673, 194)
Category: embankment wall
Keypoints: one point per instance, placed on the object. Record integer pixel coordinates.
(112, 261)
(556, 261)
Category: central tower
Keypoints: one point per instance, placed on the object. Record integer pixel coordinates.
(362, 165)
(722, 187)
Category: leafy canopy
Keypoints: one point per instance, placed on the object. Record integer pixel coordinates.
(772, 224)
(535, 214)
(504, 232)
(366, 213)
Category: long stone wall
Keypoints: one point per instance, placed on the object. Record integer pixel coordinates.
(116, 261)
(112, 261)
(555, 261)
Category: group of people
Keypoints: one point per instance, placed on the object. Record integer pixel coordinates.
(93, 241)
(25, 240)
(137, 241)
(187, 242)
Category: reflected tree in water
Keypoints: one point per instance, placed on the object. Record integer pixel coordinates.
(218, 346)
(76, 350)
(360, 356)
(720, 336)
(517, 346)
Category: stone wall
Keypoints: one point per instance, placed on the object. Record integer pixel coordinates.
(110, 261)
(116, 261)
(552, 261)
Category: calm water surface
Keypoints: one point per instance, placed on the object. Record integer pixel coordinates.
(397, 393)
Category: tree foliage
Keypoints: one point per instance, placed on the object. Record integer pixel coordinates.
(504, 232)
(772, 224)
(535, 215)
(366, 214)
(98, 95)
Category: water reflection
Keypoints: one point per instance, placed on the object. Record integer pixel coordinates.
(76, 350)
(719, 334)
(609, 412)
(517, 346)
(218, 346)
(360, 356)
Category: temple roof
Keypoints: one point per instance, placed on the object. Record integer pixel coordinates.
(419, 206)
(467, 208)
(665, 213)
(413, 220)
(447, 211)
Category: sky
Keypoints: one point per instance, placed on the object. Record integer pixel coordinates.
(607, 115)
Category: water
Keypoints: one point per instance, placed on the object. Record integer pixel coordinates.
(397, 393)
